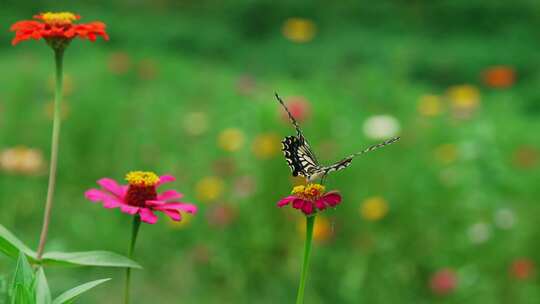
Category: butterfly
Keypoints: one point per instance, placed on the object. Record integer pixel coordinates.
(303, 161)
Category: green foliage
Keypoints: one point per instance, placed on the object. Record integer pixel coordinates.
(29, 287)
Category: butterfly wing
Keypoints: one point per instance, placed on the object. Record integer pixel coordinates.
(299, 157)
(344, 163)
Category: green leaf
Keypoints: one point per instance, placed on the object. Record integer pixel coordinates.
(73, 293)
(88, 258)
(21, 295)
(43, 294)
(22, 285)
(23, 275)
(10, 245)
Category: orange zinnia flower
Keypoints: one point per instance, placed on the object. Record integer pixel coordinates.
(57, 27)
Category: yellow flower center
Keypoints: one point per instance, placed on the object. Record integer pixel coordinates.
(142, 178)
(309, 191)
(58, 18)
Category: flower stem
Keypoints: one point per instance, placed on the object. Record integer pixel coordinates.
(310, 220)
(58, 56)
(134, 233)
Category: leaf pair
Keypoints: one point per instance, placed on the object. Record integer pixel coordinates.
(28, 287)
(11, 246)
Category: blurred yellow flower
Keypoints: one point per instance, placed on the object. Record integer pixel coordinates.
(464, 99)
(299, 30)
(266, 146)
(195, 123)
(209, 188)
(322, 230)
(231, 139)
(22, 160)
(186, 220)
(446, 153)
(374, 208)
(430, 105)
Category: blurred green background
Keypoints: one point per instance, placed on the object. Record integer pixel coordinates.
(447, 215)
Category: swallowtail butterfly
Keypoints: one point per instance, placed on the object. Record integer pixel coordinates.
(303, 161)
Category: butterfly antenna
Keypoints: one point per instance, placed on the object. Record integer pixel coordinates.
(375, 147)
(291, 117)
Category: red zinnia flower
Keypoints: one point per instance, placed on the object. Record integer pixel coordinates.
(522, 269)
(443, 281)
(57, 27)
(311, 197)
(140, 196)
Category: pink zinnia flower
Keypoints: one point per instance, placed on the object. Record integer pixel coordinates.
(311, 197)
(140, 196)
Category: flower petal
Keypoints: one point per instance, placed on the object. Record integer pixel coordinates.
(111, 185)
(161, 206)
(169, 195)
(94, 195)
(320, 204)
(148, 216)
(129, 209)
(332, 198)
(286, 200)
(165, 179)
(308, 208)
(173, 214)
(298, 203)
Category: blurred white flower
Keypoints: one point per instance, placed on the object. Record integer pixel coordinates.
(479, 233)
(381, 127)
(195, 123)
(22, 160)
(505, 218)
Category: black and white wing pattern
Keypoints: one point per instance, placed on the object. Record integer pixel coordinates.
(344, 163)
(302, 160)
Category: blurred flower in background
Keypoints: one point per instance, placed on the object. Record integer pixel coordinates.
(322, 230)
(525, 157)
(299, 30)
(245, 186)
(209, 188)
(231, 139)
(225, 166)
(443, 282)
(479, 233)
(499, 76)
(522, 268)
(195, 123)
(504, 218)
(147, 69)
(266, 145)
(381, 127)
(22, 160)
(430, 105)
(300, 109)
(374, 208)
(220, 215)
(119, 63)
(464, 100)
(446, 154)
(246, 85)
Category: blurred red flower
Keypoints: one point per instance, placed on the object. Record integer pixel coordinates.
(499, 76)
(300, 108)
(59, 26)
(522, 269)
(443, 281)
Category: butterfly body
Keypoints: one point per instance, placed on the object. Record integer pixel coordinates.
(303, 162)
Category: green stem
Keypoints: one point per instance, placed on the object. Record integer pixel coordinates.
(134, 233)
(58, 56)
(310, 221)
